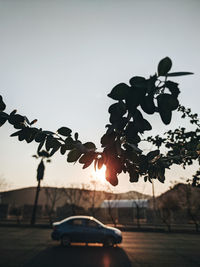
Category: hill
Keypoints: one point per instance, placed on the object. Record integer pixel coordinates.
(60, 196)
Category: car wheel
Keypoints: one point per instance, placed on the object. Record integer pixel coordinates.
(65, 241)
(109, 242)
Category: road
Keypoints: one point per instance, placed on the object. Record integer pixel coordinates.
(31, 247)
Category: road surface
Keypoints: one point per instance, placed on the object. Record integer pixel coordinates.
(32, 247)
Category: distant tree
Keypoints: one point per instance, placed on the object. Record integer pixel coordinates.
(112, 204)
(138, 203)
(166, 206)
(43, 155)
(73, 196)
(53, 195)
(3, 183)
(190, 203)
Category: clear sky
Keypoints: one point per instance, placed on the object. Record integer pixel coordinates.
(60, 59)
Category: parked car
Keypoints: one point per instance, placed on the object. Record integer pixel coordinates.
(85, 229)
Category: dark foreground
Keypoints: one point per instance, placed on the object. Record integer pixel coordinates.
(30, 247)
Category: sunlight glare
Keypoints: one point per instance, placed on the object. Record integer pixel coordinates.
(100, 174)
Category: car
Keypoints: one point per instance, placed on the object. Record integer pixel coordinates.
(85, 229)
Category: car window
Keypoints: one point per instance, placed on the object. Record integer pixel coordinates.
(92, 223)
(78, 222)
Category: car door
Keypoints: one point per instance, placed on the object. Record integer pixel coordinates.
(78, 230)
(94, 232)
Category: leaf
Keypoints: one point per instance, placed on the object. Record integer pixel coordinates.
(88, 156)
(87, 159)
(63, 149)
(3, 118)
(166, 116)
(69, 143)
(147, 104)
(64, 131)
(173, 88)
(73, 155)
(152, 154)
(173, 74)
(108, 139)
(111, 176)
(49, 142)
(119, 92)
(90, 146)
(100, 163)
(33, 122)
(117, 109)
(16, 133)
(40, 146)
(134, 98)
(16, 119)
(2, 104)
(76, 136)
(164, 66)
(140, 123)
(167, 101)
(134, 176)
(138, 81)
(40, 137)
(54, 150)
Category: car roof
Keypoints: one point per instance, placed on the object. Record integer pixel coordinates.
(78, 217)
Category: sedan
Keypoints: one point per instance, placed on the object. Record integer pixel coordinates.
(85, 229)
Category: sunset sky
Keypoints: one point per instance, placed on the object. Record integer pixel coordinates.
(60, 59)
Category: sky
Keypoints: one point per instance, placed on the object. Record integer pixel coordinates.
(60, 59)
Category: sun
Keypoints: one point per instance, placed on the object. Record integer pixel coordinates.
(100, 174)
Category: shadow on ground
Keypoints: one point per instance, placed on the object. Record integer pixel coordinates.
(80, 256)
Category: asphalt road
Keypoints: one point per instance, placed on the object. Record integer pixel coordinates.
(28, 247)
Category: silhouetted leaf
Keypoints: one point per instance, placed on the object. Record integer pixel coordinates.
(166, 115)
(138, 81)
(100, 163)
(152, 154)
(76, 136)
(64, 131)
(16, 119)
(111, 176)
(16, 133)
(173, 88)
(3, 118)
(40, 137)
(63, 149)
(69, 143)
(134, 176)
(147, 104)
(108, 139)
(117, 109)
(164, 66)
(33, 122)
(166, 103)
(73, 155)
(49, 142)
(173, 74)
(119, 92)
(90, 146)
(87, 159)
(2, 104)
(40, 146)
